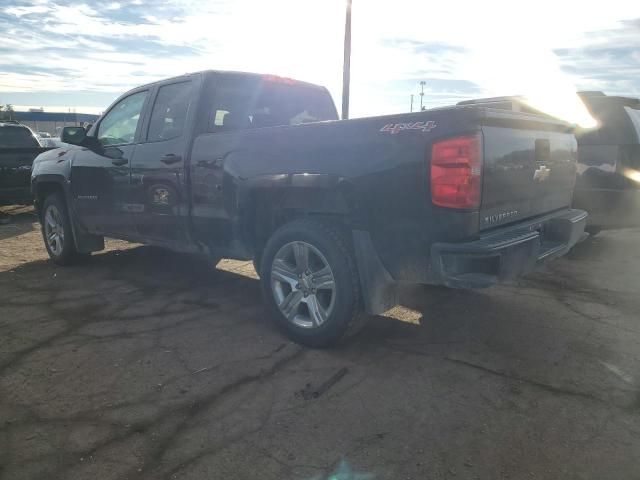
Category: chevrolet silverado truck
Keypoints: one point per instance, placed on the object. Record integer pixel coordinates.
(19, 146)
(334, 214)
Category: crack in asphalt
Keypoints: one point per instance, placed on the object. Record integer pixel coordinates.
(544, 386)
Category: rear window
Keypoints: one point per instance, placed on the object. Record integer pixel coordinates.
(17, 137)
(249, 102)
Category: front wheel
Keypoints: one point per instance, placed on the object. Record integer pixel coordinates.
(56, 231)
(310, 282)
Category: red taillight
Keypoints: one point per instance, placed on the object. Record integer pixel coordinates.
(277, 79)
(456, 167)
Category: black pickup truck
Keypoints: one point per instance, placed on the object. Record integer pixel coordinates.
(18, 148)
(335, 214)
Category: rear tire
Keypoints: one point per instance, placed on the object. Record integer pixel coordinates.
(310, 283)
(57, 233)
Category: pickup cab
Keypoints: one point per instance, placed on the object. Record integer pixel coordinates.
(334, 214)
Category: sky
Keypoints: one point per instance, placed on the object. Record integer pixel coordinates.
(61, 54)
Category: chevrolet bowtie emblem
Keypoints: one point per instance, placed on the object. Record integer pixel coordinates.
(541, 173)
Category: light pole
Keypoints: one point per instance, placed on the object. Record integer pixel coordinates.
(411, 103)
(346, 69)
(422, 84)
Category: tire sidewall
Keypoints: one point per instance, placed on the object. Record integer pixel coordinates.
(346, 301)
(68, 249)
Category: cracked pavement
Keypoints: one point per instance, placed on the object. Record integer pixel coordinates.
(145, 364)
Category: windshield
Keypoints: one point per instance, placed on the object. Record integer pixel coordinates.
(17, 137)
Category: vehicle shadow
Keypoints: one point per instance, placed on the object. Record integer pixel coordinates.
(140, 338)
(518, 332)
(16, 220)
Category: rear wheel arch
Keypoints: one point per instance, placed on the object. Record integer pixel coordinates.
(268, 209)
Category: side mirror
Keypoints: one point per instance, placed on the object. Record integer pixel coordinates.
(73, 135)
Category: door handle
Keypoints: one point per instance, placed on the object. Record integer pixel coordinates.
(118, 162)
(170, 159)
(217, 163)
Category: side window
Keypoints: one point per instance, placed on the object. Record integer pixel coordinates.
(119, 126)
(232, 105)
(169, 114)
(258, 102)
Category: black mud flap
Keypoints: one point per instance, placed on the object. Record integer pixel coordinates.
(379, 289)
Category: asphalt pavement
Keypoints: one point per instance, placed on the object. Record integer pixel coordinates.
(147, 364)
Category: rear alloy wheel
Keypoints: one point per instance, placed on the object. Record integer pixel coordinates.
(303, 285)
(310, 281)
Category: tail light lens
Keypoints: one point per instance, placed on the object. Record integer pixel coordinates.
(456, 168)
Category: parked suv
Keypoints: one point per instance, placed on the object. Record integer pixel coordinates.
(18, 147)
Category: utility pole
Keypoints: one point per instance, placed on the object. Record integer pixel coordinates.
(411, 103)
(346, 69)
(422, 84)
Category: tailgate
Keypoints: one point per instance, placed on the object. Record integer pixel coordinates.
(529, 170)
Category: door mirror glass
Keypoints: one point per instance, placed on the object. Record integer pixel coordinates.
(73, 135)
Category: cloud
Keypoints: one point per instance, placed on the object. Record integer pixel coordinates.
(458, 48)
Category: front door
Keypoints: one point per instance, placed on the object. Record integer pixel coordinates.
(158, 180)
(100, 176)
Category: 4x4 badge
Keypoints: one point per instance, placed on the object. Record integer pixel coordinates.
(394, 128)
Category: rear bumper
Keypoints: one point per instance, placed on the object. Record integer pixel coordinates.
(507, 253)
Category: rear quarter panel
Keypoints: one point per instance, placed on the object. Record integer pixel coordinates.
(379, 169)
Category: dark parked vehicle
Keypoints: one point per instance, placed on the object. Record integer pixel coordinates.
(335, 214)
(608, 183)
(18, 148)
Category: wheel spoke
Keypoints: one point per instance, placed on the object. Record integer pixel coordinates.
(301, 254)
(48, 218)
(316, 311)
(283, 272)
(323, 279)
(300, 273)
(290, 304)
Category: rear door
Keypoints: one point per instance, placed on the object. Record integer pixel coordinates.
(100, 175)
(158, 181)
(234, 104)
(528, 171)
